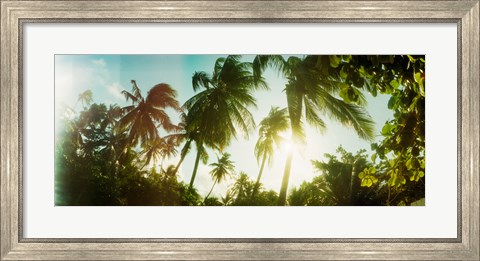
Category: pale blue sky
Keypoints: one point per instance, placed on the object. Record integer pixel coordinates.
(108, 75)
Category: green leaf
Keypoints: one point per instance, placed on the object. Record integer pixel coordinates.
(392, 180)
(394, 83)
(361, 70)
(409, 164)
(361, 175)
(344, 95)
(343, 73)
(344, 86)
(347, 58)
(369, 182)
(387, 129)
(391, 102)
(364, 183)
(373, 157)
(392, 163)
(334, 61)
(418, 77)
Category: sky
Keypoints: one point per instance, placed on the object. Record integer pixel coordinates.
(107, 75)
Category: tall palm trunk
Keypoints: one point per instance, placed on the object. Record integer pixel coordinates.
(257, 184)
(286, 176)
(195, 168)
(295, 117)
(183, 154)
(214, 183)
(352, 180)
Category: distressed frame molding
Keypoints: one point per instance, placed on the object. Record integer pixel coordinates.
(14, 14)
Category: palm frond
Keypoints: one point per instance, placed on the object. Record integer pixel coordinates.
(217, 68)
(349, 115)
(312, 115)
(201, 80)
(85, 97)
(129, 118)
(276, 62)
(129, 96)
(163, 96)
(203, 152)
(136, 91)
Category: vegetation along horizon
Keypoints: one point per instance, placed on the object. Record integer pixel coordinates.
(239, 130)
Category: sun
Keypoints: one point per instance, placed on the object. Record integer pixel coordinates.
(301, 169)
(286, 146)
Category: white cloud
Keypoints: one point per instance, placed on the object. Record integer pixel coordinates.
(115, 89)
(203, 181)
(70, 80)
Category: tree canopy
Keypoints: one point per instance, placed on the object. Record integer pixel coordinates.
(111, 155)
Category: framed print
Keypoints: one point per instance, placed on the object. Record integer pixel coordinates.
(248, 130)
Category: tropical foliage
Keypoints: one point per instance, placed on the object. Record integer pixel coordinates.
(314, 90)
(269, 131)
(222, 107)
(111, 155)
(221, 170)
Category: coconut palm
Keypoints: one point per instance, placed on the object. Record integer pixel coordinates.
(165, 147)
(221, 110)
(186, 134)
(311, 94)
(114, 113)
(227, 200)
(145, 114)
(221, 170)
(85, 98)
(242, 188)
(339, 184)
(269, 136)
(189, 134)
(114, 140)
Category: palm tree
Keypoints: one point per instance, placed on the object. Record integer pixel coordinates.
(227, 200)
(312, 88)
(217, 113)
(115, 140)
(221, 170)
(188, 133)
(144, 115)
(339, 184)
(85, 98)
(242, 188)
(114, 113)
(165, 147)
(270, 128)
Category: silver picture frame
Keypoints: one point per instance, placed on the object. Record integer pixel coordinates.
(15, 14)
